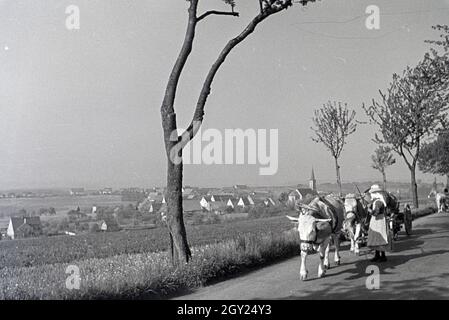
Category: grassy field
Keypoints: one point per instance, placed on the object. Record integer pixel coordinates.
(65, 249)
(147, 275)
(132, 264)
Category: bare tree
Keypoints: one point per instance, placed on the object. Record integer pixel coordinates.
(175, 143)
(382, 158)
(334, 122)
(412, 109)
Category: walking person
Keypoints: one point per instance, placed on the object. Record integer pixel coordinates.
(378, 227)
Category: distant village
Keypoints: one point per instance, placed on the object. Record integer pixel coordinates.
(142, 208)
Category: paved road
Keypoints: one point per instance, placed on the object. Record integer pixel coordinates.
(417, 269)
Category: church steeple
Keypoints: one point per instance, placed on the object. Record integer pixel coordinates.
(312, 181)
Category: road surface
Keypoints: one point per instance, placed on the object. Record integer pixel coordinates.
(417, 269)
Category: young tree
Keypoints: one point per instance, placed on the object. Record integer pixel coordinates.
(434, 157)
(175, 143)
(412, 109)
(334, 122)
(382, 158)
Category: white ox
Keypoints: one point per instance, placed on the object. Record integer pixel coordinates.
(319, 223)
(440, 199)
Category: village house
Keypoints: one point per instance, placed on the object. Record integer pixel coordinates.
(77, 192)
(301, 192)
(245, 202)
(191, 206)
(232, 203)
(109, 225)
(187, 191)
(213, 202)
(269, 202)
(106, 191)
(103, 226)
(154, 207)
(23, 227)
(218, 207)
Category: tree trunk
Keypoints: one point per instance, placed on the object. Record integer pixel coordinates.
(414, 186)
(384, 177)
(447, 181)
(179, 247)
(337, 169)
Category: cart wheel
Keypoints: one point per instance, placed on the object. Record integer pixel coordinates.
(408, 220)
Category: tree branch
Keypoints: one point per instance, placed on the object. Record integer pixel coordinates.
(401, 153)
(167, 109)
(205, 91)
(220, 13)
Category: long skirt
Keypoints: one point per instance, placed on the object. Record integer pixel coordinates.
(378, 233)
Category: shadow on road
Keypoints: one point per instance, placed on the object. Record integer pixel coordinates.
(425, 288)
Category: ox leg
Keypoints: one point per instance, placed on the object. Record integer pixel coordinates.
(303, 270)
(337, 249)
(352, 245)
(324, 258)
(358, 230)
(326, 246)
(357, 249)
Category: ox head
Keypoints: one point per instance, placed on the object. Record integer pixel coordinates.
(311, 230)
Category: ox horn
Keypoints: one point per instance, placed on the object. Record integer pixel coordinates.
(323, 220)
(307, 207)
(292, 219)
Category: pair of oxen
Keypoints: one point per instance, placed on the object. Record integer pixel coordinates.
(321, 223)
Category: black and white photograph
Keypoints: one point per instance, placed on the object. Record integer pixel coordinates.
(240, 151)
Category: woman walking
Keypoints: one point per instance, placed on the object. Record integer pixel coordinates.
(378, 227)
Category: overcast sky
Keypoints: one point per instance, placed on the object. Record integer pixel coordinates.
(81, 108)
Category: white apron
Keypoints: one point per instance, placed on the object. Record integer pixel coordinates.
(378, 232)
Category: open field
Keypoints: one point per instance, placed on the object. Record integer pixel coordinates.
(147, 275)
(64, 249)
